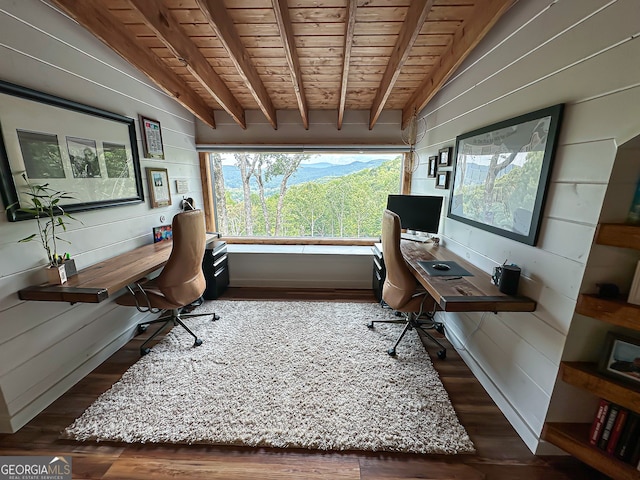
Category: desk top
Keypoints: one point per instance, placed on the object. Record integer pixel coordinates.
(102, 280)
(460, 294)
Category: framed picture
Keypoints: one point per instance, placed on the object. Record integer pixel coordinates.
(442, 180)
(85, 151)
(151, 138)
(444, 157)
(159, 191)
(621, 358)
(162, 233)
(431, 172)
(501, 174)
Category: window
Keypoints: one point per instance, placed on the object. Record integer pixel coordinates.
(317, 195)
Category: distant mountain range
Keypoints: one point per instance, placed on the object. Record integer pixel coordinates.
(305, 173)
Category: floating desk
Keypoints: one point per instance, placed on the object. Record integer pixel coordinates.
(102, 280)
(460, 294)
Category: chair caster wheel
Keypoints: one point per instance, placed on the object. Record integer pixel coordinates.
(142, 328)
(442, 354)
(392, 352)
(215, 317)
(144, 351)
(197, 343)
(370, 325)
(439, 327)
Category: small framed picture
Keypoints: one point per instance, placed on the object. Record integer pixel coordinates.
(431, 172)
(162, 233)
(151, 138)
(444, 157)
(158, 181)
(621, 358)
(442, 180)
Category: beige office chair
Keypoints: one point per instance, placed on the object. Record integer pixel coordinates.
(401, 291)
(180, 283)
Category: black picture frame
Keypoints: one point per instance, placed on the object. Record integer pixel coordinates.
(484, 159)
(444, 157)
(442, 180)
(33, 122)
(432, 167)
(621, 358)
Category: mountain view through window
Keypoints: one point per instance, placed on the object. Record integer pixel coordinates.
(303, 195)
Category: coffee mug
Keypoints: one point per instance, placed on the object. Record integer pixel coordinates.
(507, 278)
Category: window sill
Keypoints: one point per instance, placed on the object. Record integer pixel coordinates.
(300, 249)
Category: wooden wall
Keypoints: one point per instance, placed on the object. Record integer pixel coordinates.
(542, 53)
(46, 347)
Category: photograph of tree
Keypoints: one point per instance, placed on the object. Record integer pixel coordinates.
(84, 157)
(501, 174)
(115, 159)
(41, 154)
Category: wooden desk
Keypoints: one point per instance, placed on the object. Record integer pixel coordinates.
(102, 280)
(466, 294)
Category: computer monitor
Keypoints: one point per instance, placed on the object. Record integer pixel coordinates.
(417, 212)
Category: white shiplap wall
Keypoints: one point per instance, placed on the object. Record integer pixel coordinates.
(47, 347)
(541, 53)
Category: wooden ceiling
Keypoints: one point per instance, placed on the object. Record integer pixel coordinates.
(269, 55)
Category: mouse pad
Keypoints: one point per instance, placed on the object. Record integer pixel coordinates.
(455, 270)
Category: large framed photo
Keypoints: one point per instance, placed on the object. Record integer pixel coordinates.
(85, 151)
(621, 358)
(159, 190)
(501, 174)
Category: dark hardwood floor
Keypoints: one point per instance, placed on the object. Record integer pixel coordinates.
(501, 455)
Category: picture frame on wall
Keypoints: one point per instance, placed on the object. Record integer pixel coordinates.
(444, 157)
(442, 180)
(621, 358)
(431, 167)
(88, 152)
(501, 173)
(159, 190)
(151, 138)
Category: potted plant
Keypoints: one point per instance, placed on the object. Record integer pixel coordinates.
(44, 205)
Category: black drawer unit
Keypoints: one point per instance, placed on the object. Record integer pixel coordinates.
(379, 271)
(215, 266)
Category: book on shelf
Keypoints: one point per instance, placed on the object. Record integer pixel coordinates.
(628, 437)
(608, 426)
(634, 291)
(598, 422)
(616, 431)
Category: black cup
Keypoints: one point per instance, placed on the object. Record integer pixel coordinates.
(507, 278)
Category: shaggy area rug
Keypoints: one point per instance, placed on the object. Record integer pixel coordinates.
(282, 374)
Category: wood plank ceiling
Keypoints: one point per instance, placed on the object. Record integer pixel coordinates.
(269, 55)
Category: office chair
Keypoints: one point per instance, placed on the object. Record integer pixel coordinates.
(401, 291)
(180, 283)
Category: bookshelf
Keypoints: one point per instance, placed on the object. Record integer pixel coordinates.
(573, 437)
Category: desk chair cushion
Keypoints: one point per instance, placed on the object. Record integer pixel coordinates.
(400, 286)
(181, 281)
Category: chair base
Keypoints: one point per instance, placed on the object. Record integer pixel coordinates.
(174, 317)
(411, 321)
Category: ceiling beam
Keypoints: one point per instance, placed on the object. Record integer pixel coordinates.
(413, 22)
(465, 39)
(215, 12)
(281, 10)
(95, 18)
(352, 5)
(159, 19)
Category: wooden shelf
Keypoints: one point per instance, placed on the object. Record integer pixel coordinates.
(610, 310)
(618, 235)
(573, 438)
(585, 375)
